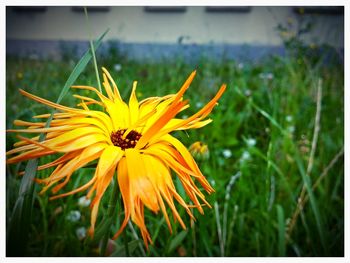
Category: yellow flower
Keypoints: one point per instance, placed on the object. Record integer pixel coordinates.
(132, 139)
(199, 151)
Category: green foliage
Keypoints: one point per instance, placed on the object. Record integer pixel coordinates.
(176, 241)
(265, 120)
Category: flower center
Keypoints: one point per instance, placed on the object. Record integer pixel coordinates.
(128, 142)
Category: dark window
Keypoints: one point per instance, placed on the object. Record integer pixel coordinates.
(227, 9)
(29, 9)
(320, 10)
(165, 9)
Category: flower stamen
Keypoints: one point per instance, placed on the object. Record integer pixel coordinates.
(129, 141)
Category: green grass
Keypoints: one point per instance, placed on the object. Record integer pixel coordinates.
(250, 211)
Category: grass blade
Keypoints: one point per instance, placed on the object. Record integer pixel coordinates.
(20, 220)
(314, 206)
(305, 177)
(80, 67)
(281, 232)
(121, 251)
(137, 238)
(262, 112)
(92, 50)
(218, 225)
(102, 228)
(176, 241)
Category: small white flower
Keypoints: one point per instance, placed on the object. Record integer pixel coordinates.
(81, 232)
(117, 67)
(83, 201)
(184, 116)
(240, 65)
(291, 129)
(289, 118)
(247, 92)
(245, 156)
(227, 153)
(199, 104)
(251, 142)
(266, 76)
(73, 216)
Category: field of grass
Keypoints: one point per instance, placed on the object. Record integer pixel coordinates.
(279, 126)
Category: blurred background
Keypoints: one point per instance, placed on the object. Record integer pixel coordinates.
(275, 148)
(162, 32)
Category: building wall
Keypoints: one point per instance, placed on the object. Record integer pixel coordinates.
(194, 26)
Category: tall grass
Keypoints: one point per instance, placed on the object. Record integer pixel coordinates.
(266, 119)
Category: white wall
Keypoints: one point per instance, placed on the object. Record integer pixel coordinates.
(133, 24)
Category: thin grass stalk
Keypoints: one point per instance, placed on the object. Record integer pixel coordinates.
(272, 192)
(113, 198)
(300, 165)
(313, 202)
(278, 170)
(322, 176)
(270, 198)
(227, 198)
(92, 50)
(136, 238)
(301, 197)
(281, 231)
(224, 224)
(268, 169)
(110, 213)
(232, 224)
(125, 237)
(194, 241)
(218, 225)
(329, 166)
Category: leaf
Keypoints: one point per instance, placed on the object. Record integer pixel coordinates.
(19, 224)
(121, 252)
(313, 201)
(20, 221)
(176, 241)
(80, 67)
(102, 228)
(159, 224)
(281, 232)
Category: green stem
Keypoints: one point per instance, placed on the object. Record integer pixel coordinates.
(93, 51)
(126, 243)
(110, 213)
